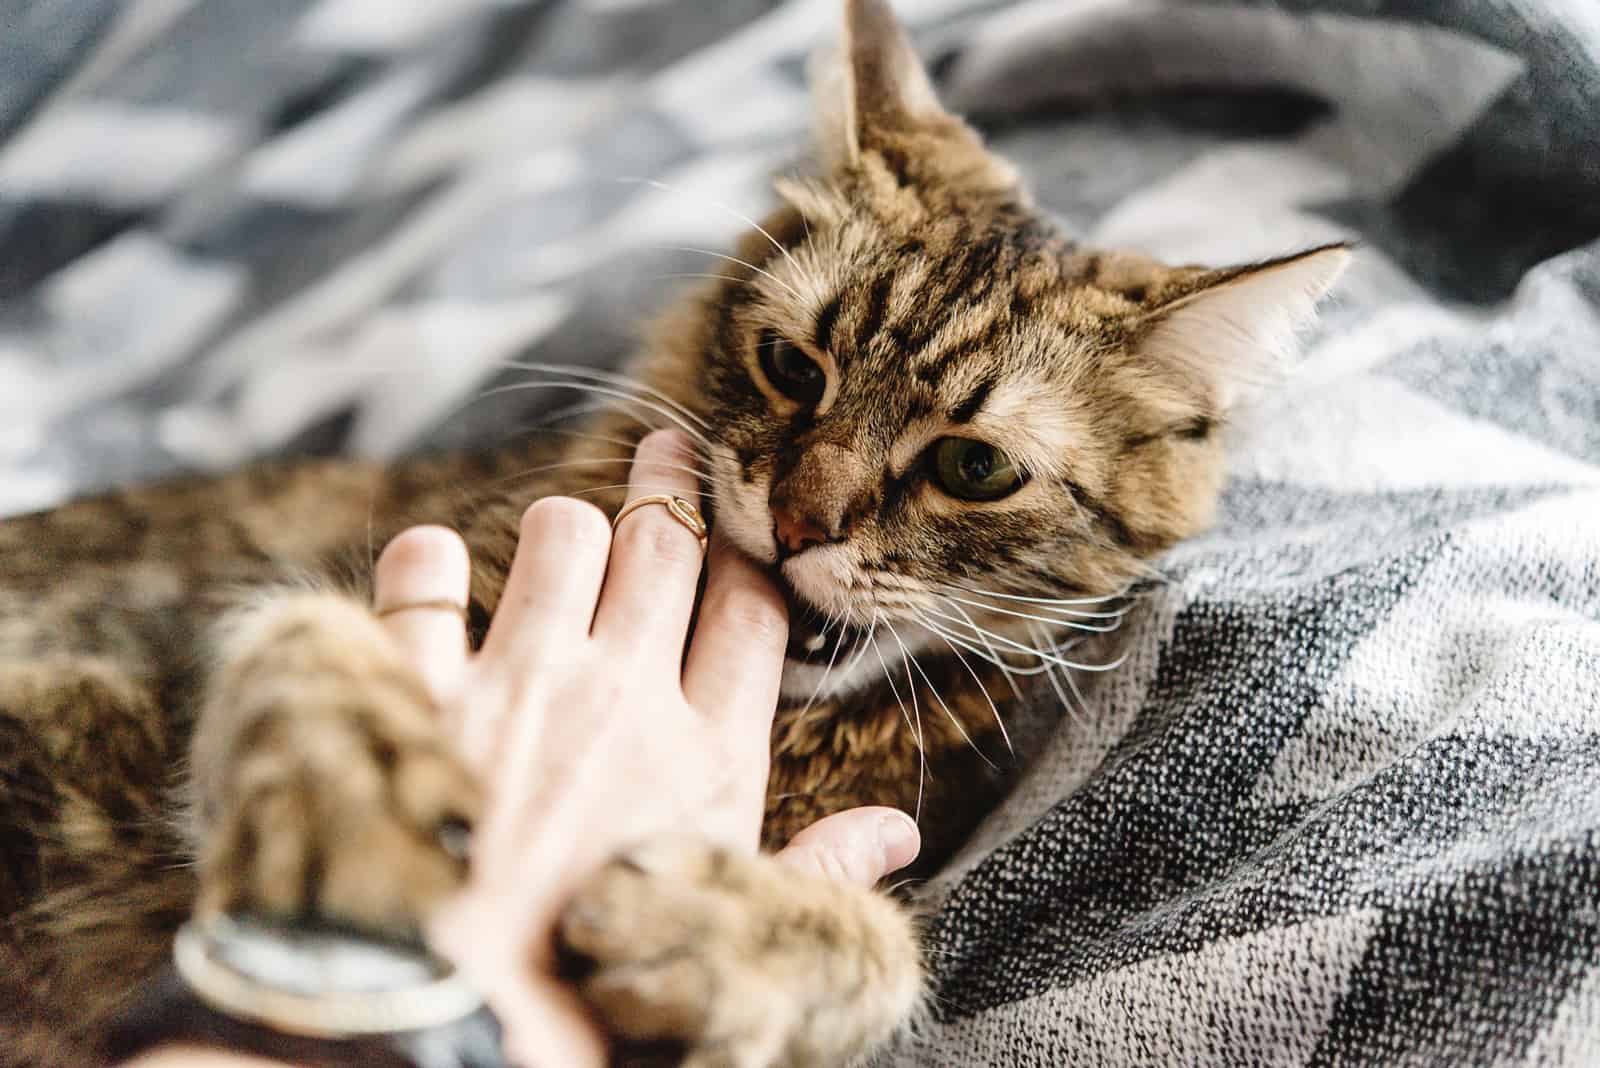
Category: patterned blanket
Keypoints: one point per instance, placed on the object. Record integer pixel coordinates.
(1342, 803)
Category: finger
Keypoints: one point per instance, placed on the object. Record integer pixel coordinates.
(545, 1024)
(420, 589)
(553, 1029)
(735, 661)
(655, 558)
(859, 845)
(555, 579)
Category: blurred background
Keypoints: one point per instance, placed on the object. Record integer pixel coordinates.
(237, 227)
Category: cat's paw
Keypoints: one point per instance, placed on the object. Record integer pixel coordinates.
(352, 814)
(740, 959)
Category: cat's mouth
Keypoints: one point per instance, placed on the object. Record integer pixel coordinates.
(813, 639)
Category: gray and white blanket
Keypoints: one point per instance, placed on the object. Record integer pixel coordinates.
(1342, 803)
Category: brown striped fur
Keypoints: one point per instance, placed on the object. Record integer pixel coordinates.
(195, 705)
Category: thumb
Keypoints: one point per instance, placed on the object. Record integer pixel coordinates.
(859, 845)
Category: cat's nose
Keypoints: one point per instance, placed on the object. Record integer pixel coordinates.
(794, 531)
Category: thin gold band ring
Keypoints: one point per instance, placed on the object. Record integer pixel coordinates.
(680, 509)
(436, 604)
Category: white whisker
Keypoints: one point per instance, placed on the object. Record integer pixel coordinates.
(916, 731)
(1031, 651)
(1102, 599)
(987, 658)
(838, 644)
(622, 485)
(1048, 621)
(757, 227)
(792, 291)
(983, 638)
(911, 662)
(563, 464)
(629, 398)
(1004, 734)
(611, 378)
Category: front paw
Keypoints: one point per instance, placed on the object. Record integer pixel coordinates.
(357, 813)
(741, 960)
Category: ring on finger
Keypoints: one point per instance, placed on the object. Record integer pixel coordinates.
(681, 510)
(434, 604)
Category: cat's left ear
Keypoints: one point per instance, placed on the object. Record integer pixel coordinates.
(873, 95)
(1233, 331)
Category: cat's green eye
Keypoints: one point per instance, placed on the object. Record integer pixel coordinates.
(791, 372)
(973, 470)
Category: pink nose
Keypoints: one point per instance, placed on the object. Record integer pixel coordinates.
(796, 532)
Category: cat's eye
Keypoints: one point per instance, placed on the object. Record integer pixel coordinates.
(973, 470)
(791, 372)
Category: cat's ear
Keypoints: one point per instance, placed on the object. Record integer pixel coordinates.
(870, 84)
(1233, 331)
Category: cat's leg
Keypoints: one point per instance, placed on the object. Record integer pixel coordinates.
(323, 781)
(742, 959)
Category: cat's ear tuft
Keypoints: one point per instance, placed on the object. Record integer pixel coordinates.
(1234, 333)
(870, 82)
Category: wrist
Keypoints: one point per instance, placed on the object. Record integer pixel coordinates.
(310, 996)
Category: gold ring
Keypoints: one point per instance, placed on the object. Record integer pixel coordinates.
(437, 604)
(681, 510)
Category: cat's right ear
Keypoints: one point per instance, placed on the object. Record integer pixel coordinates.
(870, 86)
(1233, 333)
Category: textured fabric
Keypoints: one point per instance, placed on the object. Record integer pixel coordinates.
(1341, 805)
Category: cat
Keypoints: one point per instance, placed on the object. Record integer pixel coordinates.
(953, 435)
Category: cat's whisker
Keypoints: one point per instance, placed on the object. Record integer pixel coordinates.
(912, 662)
(1018, 604)
(995, 709)
(916, 731)
(560, 465)
(1031, 650)
(612, 378)
(953, 638)
(791, 290)
(622, 486)
(987, 658)
(1055, 684)
(981, 637)
(621, 395)
(615, 391)
(741, 216)
(855, 661)
(837, 645)
(1056, 601)
(1034, 617)
(605, 439)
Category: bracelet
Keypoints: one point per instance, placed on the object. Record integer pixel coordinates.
(308, 995)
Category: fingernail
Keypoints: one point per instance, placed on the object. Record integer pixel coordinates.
(901, 840)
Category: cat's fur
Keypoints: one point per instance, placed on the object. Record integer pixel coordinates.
(153, 625)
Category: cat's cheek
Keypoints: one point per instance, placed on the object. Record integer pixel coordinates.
(743, 517)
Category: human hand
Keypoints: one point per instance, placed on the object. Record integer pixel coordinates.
(593, 731)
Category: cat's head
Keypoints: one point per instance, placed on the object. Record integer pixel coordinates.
(932, 413)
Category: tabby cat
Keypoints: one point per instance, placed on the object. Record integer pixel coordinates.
(953, 435)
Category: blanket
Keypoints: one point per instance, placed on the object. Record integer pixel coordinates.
(1340, 805)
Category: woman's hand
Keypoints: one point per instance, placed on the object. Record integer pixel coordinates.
(593, 730)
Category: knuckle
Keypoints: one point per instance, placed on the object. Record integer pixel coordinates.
(660, 539)
(565, 520)
(758, 614)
